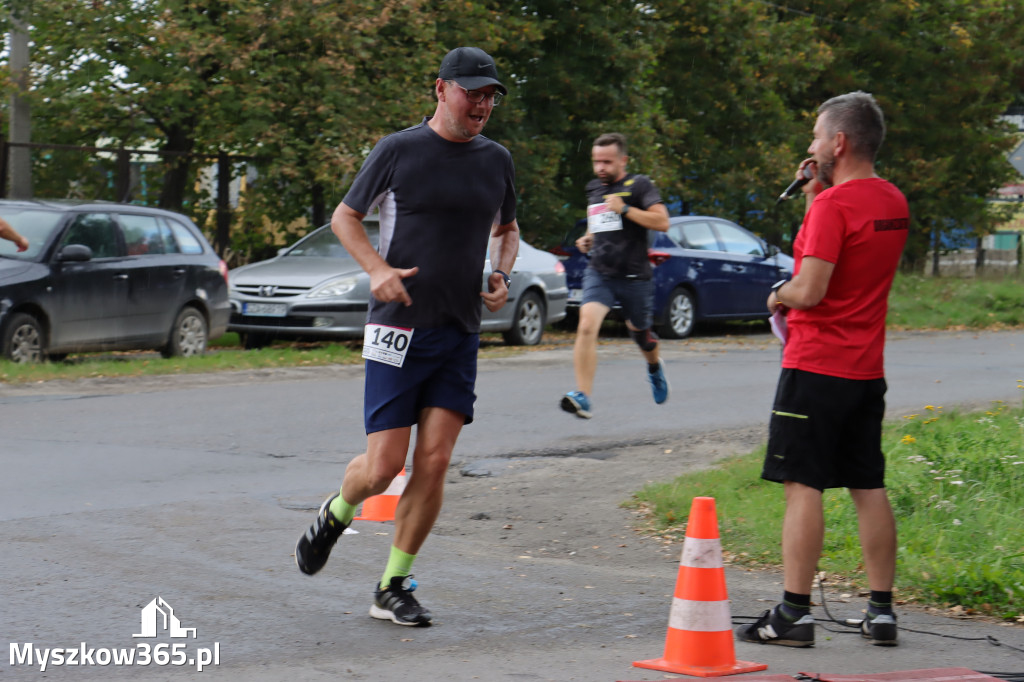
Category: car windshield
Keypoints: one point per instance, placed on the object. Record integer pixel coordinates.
(323, 244)
(35, 225)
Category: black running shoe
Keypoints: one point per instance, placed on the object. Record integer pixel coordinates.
(397, 604)
(315, 545)
(880, 629)
(771, 628)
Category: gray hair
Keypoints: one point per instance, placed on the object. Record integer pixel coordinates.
(858, 115)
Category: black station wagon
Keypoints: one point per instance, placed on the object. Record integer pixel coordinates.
(103, 276)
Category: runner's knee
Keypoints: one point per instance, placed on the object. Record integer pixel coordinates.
(646, 339)
(380, 477)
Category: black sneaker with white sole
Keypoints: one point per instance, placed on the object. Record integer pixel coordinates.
(315, 545)
(880, 629)
(771, 628)
(397, 604)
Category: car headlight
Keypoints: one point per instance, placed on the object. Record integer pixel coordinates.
(334, 287)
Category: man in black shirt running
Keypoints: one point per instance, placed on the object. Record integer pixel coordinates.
(445, 193)
(621, 208)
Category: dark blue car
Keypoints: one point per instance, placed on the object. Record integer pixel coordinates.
(705, 268)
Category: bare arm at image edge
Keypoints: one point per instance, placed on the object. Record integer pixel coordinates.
(10, 234)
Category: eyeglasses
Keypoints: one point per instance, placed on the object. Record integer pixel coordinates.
(477, 96)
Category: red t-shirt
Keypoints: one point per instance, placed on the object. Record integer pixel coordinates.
(860, 226)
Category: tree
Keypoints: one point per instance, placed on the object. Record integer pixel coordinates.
(717, 98)
(722, 88)
(943, 71)
(575, 70)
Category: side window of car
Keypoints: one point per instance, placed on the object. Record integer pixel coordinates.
(738, 241)
(699, 235)
(142, 235)
(95, 230)
(170, 243)
(184, 241)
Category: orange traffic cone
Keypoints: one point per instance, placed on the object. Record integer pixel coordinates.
(699, 640)
(382, 507)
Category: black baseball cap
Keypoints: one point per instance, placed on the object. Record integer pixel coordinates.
(470, 67)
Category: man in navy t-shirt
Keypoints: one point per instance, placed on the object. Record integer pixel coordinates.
(445, 193)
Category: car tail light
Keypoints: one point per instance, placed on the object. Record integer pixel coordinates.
(559, 268)
(223, 267)
(657, 257)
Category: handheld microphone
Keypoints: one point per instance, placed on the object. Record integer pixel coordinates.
(795, 186)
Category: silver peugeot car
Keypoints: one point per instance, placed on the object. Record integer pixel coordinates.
(315, 290)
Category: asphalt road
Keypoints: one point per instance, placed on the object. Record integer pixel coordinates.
(194, 490)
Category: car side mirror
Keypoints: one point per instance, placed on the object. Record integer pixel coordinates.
(75, 253)
(772, 250)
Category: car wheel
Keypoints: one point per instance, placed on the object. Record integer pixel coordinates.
(252, 341)
(528, 321)
(680, 315)
(188, 335)
(23, 339)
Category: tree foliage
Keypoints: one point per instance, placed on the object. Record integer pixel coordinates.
(943, 71)
(717, 98)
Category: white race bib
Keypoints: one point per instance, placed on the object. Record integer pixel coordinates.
(600, 218)
(386, 344)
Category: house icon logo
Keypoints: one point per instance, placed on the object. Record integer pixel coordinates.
(158, 616)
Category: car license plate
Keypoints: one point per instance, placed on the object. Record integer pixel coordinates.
(265, 309)
(575, 295)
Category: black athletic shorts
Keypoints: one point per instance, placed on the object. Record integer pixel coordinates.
(826, 432)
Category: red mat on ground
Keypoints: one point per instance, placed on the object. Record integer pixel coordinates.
(749, 678)
(928, 675)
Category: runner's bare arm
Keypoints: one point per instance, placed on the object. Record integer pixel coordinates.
(504, 249)
(654, 218)
(385, 281)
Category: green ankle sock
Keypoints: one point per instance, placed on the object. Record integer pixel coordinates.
(342, 510)
(399, 563)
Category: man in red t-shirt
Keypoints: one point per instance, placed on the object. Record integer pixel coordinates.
(826, 423)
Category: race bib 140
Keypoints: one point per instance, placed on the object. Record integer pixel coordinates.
(386, 344)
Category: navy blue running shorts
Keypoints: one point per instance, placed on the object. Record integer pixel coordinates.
(826, 432)
(439, 371)
(636, 296)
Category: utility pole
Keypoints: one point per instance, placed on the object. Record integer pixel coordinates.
(20, 158)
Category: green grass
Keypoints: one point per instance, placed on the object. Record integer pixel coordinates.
(225, 355)
(918, 302)
(956, 482)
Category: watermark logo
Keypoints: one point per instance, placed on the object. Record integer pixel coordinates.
(158, 615)
(157, 618)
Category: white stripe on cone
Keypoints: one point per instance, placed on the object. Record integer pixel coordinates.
(700, 616)
(701, 553)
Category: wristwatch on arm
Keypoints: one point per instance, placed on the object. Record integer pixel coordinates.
(504, 276)
(775, 290)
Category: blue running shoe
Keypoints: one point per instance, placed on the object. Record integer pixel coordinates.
(577, 403)
(659, 383)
